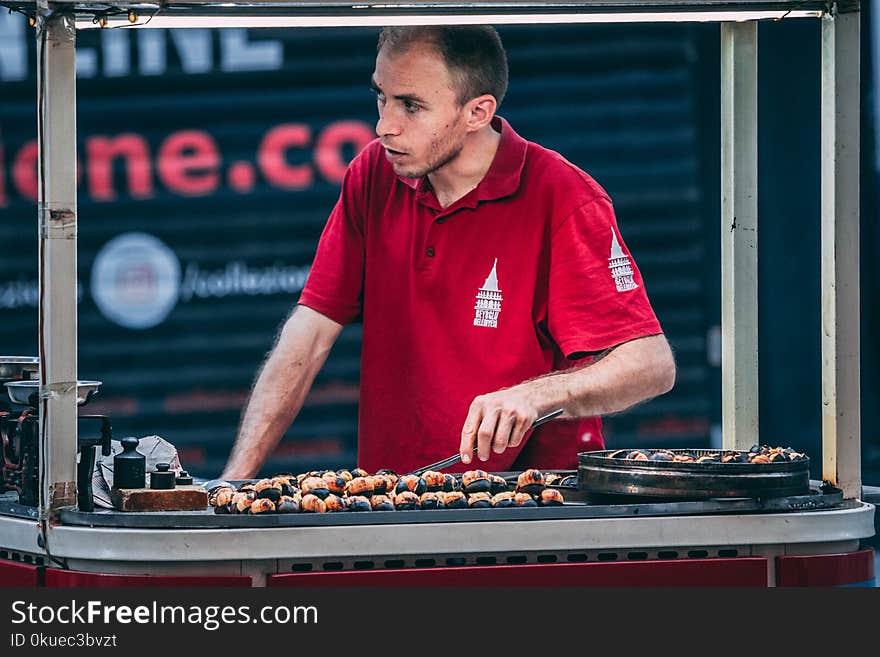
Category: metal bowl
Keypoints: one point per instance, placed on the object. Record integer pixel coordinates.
(27, 392)
(16, 368)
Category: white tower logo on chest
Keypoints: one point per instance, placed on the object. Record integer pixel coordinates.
(621, 269)
(488, 304)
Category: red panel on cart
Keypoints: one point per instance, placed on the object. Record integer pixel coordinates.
(18, 574)
(843, 569)
(749, 571)
(73, 578)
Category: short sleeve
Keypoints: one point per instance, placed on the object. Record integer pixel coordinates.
(334, 286)
(597, 297)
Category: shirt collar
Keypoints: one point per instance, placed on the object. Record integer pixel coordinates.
(502, 179)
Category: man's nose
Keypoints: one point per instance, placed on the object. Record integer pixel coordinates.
(386, 125)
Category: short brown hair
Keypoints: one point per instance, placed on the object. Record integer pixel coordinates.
(473, 54)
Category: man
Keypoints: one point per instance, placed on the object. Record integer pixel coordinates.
(489, 273)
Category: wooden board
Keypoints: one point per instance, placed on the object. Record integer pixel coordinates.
(181, 498)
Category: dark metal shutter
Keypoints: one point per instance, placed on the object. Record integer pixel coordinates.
(619, 101)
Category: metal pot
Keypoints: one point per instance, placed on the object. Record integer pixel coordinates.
(16, 368)
(27, 392)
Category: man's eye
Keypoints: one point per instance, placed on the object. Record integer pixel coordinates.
(410, 106)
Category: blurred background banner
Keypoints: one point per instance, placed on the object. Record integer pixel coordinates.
(210, 159)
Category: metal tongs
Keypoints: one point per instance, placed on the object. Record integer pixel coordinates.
(439, 465)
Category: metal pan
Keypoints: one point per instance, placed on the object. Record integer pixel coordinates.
(15, 368)
(27, 392)
(602, 478)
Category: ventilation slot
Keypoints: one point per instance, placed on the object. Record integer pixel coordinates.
(698, 554)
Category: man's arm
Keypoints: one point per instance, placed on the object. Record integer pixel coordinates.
(285, 379)
(630, 373)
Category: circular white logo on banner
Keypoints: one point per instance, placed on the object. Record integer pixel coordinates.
(136, 280)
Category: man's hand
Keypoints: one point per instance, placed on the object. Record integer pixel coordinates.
(497, 421)
(626, 375)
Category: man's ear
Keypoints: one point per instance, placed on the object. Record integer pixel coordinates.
(480, 111)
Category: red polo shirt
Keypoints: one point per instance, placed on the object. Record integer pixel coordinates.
(507, 283)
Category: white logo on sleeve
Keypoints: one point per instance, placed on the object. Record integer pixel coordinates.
(621, 269)
(488, 304)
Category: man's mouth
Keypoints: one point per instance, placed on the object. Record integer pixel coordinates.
(391, 153)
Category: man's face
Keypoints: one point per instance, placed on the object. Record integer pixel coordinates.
(421, 124)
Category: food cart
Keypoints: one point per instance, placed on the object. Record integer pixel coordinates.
(810, 538)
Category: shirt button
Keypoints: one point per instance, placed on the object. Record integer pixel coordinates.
(429, 252)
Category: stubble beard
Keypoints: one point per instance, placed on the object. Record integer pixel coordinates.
(442, 154)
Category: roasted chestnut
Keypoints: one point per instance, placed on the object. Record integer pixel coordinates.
(551, 497)
(382, 483)
(345, 474)
(411, 483)
(335, 483)
(288, 504)
(335, 503)
(684, 457)
(312, 504)
(454, 499)
(359, 472)
(434, 481)
(406, 500)
(708, 458)
(503, 499)
(263, 505)
(662, 455)
(221, 496)
(497, 484)
(530, 481)
(552, 479)
(359, 486)
(618, 454)
(430, 500)
(268, 489)
(524, 499)
(475, 481)
(479, 500)
(638, 455)
(358, 503)
(759, 458)
(381, 503)
(450, 483)
(241, 502)
(733, 457)
(316, 486)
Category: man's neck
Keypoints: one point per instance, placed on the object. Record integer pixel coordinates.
(471, 165)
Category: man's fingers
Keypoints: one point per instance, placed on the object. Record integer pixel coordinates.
(469, 432)
(506, 423)
(519, 431)
(485, 434)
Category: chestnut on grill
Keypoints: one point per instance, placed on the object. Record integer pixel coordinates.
(684, 457)
(618, 454)
(381, 503)
(476, 481)
(530, 481)
(359, 472)
(524, 499)
(288, 504)
(221, 496)
(497, 484)
(733, 457)
(779, 457)
(268, 489)
(316, 486)
(263, 505)
(479, 500)
(241, 502)
(382, 483)
(345, 474)
(358, 503)
(552, 479)
(708, 458)
(759, 458)
(663, 455)
(570, 480)
(406, 500)
(434, 481)
(454, 499)
(551, 497)
(287, 483)
(312, 504)
(450, 483)
(503, 499)
(244, 488)
(430, 500)
(638, 455)
(359, 486)
(334, 503)
(411, 483)
(335, 483)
